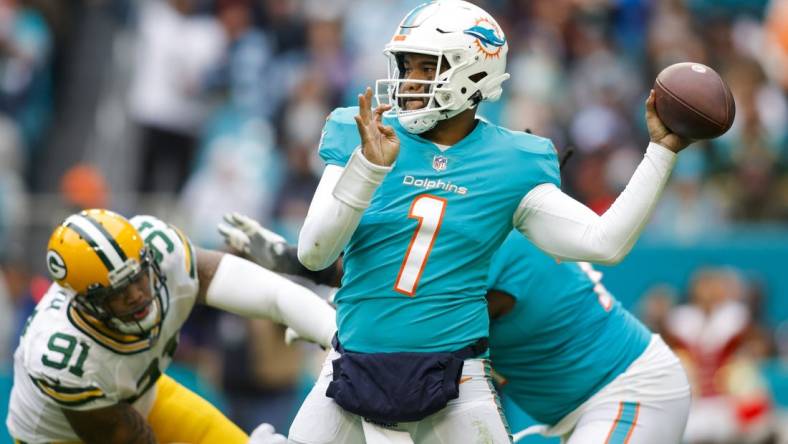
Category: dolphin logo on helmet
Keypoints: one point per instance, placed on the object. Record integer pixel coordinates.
(486, 36)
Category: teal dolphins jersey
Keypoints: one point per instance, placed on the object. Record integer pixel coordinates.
(566, 337)
(415, 269)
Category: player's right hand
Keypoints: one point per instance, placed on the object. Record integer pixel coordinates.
(658, 132)
(245, 236)
(379, 143)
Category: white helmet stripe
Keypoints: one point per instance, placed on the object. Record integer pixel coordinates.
(98, 240)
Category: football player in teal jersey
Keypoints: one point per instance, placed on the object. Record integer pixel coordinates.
(565, 351)
(574, 359)
(418, 194)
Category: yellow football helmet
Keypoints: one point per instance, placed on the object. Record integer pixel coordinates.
(97, 253)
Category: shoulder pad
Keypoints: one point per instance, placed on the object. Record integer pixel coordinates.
(340, 136)
(171, 248)
(535, 157)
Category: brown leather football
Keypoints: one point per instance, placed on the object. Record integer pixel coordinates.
(693, 101)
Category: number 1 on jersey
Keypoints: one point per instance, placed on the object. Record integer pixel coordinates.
(429, 211)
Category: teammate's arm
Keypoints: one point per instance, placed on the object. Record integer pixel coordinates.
(239, 286)
(344, 193)
(499, 303)
(567, 229)
(117, 424)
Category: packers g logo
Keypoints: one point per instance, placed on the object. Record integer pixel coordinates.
(56, 265)
(487, 40)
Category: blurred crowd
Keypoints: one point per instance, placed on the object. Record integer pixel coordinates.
(192, 108)
(737, 366)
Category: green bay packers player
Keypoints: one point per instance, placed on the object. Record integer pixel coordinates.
(89, 366)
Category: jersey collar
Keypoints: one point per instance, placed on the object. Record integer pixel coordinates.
(474, 135)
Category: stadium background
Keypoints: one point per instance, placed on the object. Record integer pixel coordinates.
(186, 109)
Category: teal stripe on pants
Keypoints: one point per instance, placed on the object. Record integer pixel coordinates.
(625, 424)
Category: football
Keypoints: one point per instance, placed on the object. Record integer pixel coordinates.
(693, 101)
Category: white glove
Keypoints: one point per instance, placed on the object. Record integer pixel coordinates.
(292, 336)
(244, 235)
(265, 434)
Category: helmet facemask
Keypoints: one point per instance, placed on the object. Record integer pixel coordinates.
(445, 95)
(96, 301)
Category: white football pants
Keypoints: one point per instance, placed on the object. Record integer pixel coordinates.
(474, 417)
(647, 404)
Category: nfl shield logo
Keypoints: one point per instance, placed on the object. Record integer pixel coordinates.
(439, 163)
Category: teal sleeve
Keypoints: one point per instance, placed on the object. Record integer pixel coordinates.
(340, 137)
(536, 162)
(547, 164)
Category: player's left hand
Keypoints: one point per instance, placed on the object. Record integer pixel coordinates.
(244, 235)
(658, 132)
(265, 434)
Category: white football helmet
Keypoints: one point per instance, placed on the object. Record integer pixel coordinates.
(460, 34)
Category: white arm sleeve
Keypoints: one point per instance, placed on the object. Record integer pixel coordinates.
(247, 289)
(341, 198)
(567, 229)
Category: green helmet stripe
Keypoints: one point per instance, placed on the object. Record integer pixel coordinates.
(109, 237)
(99, 252)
